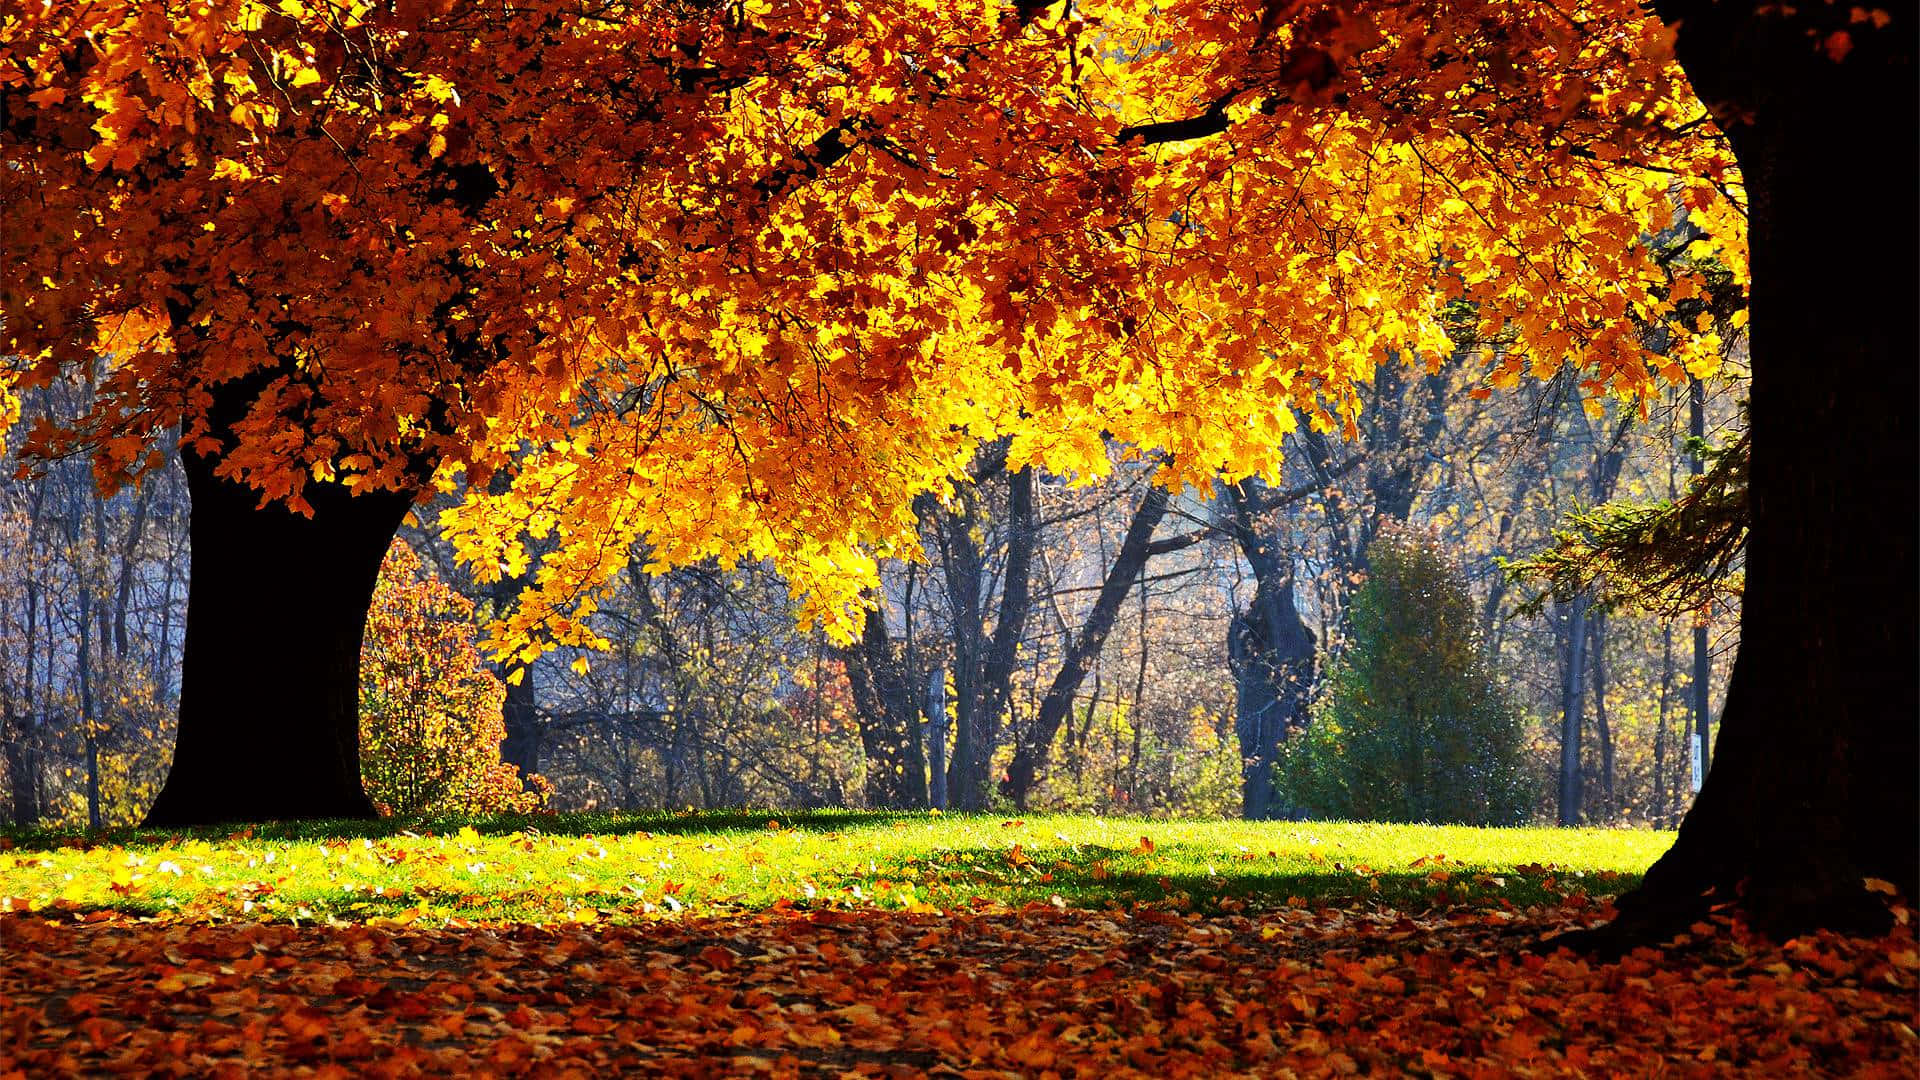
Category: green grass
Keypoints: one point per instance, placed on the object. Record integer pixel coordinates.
(599, 867)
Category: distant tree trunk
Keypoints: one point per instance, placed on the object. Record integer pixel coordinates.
(520, 712)
(983, 666)
(1031, 757)
(870, 717)
(936, 709)
(1660, 801)
(1602, 729)
(887, 716)
(520, 716)
(1814, 786)
(1271, 650)
(83, 572)
(123, 588)
(1573, 692)
(961, 559)
(163, 649)
(21, 769)
(22, 719)
(906, 696)
(270, 668)
(1702, 688)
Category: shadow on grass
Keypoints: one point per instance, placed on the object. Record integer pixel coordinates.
(1083, 878)
(573, 824)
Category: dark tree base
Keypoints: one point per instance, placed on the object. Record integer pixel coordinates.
(270, 672)
(233, 808)
(1813, 790)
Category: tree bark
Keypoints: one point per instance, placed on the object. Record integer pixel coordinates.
(1814, 786)
(270, 667)
(983, 666)
(936, 710)
(1572, 697)
(1272, 652)
(525, 727)
(887, 716)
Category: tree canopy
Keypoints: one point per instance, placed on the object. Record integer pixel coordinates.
(742, 281)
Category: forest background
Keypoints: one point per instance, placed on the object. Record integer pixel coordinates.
(1133, 685)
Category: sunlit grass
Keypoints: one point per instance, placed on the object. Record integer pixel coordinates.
(599, 867)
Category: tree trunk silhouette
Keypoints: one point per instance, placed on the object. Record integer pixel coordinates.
(270, 668)
(1813, 786)
(887, 717)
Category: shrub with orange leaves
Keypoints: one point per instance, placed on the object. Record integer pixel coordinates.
(430, 710)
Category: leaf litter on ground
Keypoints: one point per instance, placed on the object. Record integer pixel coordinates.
(1042, 990)
(849, 946)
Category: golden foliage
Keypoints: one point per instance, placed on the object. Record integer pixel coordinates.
(742, 282)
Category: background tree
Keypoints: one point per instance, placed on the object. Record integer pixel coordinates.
(1414, 727)
(92, 593)
(430, 710)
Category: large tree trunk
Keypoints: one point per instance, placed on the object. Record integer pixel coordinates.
(270, 668)
(1814, 783)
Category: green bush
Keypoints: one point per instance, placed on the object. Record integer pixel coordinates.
(1413, 726)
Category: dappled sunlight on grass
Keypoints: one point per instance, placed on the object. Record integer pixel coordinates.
(594, 867)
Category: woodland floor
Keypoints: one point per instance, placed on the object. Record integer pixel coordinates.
(118, 956)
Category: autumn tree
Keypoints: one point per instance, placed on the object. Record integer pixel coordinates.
(430, 710)
(775, 276)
